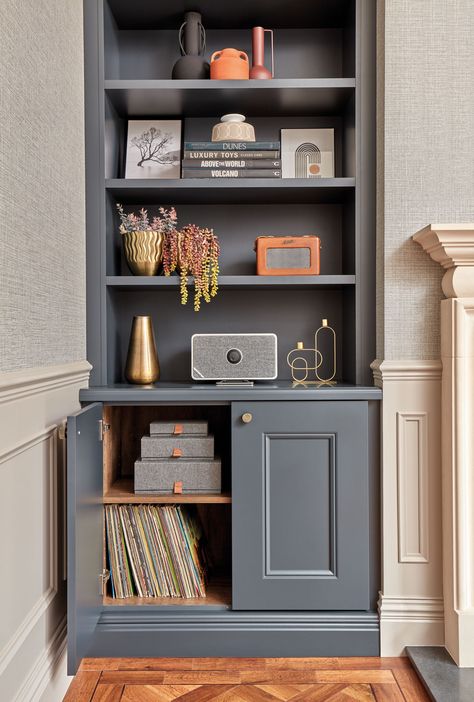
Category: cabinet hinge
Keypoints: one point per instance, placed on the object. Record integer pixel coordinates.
(103, 427)
(62, 431)
(103, 579)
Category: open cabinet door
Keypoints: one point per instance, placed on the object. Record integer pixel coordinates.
(85, 529)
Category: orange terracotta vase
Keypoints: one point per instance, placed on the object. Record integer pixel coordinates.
(229, 64)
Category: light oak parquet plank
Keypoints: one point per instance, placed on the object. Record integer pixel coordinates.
(108, 693)
(317, 676)
(284, 692)
(320, 693)
(82, 687)
(158, 664)
(205, 693)
(387, 693)
(173, 677)
(335, 692)
(156, 693)
(252, 693)
(411, 686)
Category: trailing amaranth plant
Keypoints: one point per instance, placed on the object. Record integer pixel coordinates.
(194, 251)
(130, 222)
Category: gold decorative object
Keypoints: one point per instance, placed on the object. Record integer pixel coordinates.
(143, 251)
(142, 366)
(306, 361)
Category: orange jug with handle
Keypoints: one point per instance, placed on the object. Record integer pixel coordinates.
(229, 64)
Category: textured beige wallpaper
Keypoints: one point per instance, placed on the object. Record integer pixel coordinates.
(428, 135)
(42, 241)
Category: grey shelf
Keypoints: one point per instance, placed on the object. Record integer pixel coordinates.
(207, 98)
(236, 282)
(141, 14)
(239, 190)
(187, 393)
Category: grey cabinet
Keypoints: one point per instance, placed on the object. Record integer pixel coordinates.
(85, 529)
(300, 509)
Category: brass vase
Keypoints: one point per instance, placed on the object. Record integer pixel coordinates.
(143, 251)
(142, 366)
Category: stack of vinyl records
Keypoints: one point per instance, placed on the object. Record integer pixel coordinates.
(222, 159)
(154, 551)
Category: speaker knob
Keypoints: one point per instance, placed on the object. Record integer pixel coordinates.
(234, 356)
(247, 417)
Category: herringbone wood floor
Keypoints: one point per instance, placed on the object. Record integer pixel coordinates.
(246, 680)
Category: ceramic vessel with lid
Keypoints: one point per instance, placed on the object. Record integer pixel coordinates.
(233, 127)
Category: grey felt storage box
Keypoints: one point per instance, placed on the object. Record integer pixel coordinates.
(197, 476)
(191, 446)
(187, 426)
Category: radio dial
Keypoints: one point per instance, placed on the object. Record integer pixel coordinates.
(234, 356)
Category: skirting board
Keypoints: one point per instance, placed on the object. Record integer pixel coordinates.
(410, 621)
(240, 634)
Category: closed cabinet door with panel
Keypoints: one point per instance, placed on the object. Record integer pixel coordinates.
(300, 509)
(85, 529)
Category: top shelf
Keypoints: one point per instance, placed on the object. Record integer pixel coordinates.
(143, 14)
(206, 98)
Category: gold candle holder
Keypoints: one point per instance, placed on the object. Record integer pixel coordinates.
(301, 367)
(322, 329)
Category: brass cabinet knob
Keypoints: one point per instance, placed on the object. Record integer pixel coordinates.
(247, 417)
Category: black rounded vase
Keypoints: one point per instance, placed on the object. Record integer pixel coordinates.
(192, 42)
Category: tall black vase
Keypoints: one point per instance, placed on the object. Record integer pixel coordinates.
(192, 42)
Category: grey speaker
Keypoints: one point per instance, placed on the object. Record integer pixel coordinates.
(234, 357)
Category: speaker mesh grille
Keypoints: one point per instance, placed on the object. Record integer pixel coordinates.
(209, 357)
(288, 258)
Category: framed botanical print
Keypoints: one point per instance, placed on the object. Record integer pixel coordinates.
(153, 148)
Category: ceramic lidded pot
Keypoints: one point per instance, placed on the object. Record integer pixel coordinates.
(233, 127)
(229, 64)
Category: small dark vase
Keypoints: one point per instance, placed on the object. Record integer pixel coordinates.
(192, 42)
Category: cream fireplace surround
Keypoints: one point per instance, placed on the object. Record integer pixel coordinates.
(452, 245)
(427, 479)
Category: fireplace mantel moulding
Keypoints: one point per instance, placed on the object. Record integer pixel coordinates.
(452, 245)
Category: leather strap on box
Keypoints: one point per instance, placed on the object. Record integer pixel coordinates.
(177, 453)
(178, 487)
(178, 429)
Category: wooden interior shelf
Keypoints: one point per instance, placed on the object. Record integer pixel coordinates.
(197, 98)
(121, 492)
(218, 593)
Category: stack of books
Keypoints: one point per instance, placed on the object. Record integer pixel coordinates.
(234, 159)
(154, 551)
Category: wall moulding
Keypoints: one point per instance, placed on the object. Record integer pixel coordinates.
(410, 605)
(33, 402)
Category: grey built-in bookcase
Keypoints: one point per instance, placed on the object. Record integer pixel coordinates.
(295, 532)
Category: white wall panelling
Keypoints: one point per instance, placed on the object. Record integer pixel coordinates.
(32, 528)
(411, 598)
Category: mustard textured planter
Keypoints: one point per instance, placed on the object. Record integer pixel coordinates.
(143, 251)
